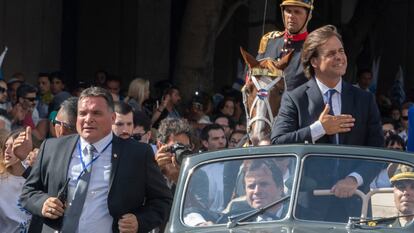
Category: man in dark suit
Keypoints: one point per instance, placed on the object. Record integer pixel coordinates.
(326, 109)
(125, 191)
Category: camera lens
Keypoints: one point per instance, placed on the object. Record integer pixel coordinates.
(180, 151)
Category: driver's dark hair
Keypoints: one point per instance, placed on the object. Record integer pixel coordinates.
(313, 41)
(173, 126)
(257, 164)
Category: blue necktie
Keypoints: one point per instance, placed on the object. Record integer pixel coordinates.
(330, 93)
(333, 138)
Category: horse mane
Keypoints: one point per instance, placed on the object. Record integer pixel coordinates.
(267, 92)
(267, 63)
(273, 65)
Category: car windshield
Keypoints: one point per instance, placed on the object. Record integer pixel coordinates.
(224, 191)
(333, 189)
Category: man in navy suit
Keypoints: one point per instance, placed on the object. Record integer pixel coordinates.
(125, 191)
(326, 109)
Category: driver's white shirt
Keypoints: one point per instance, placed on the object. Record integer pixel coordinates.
(278, 215)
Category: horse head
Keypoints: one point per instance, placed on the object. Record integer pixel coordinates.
(262, 94)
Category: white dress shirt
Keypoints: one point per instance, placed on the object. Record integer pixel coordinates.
(95, 215)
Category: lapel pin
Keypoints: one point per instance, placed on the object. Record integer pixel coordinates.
(115, 156)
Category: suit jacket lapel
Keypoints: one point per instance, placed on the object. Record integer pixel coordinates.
(316, 104)
(72, 143)
(116, 151)
(347, 101)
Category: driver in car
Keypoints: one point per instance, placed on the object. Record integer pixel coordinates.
(264, 185)
(403, 182)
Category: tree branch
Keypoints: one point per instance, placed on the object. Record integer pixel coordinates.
(229, 14)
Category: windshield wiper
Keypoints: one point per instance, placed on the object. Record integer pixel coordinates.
(369, 223)
(233, 222)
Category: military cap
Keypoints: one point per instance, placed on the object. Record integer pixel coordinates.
(303, 3)
(400, 172)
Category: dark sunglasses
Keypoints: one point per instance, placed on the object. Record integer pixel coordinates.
(138, 136)
(66, 125)
(31, 99)
(389, 132)
(404, 184)
(405, 118)
(2, 90)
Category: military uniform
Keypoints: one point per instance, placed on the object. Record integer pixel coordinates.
(275, 45)
(404, 173)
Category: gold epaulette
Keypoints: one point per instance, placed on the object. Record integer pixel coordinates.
(266, 37)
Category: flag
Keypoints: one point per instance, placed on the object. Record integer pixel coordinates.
(375, 72)
(1, 62)
(410, 131)
(397, 92)
(239, 82)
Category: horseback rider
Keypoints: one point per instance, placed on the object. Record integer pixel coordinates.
(296, 15)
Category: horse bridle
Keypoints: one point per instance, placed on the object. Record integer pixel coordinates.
(262, 95)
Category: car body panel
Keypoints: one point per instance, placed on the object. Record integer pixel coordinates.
(290, 223)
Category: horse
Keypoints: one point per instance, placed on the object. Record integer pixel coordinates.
(262, 94)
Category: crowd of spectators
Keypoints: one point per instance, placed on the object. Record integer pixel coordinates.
(207, 122)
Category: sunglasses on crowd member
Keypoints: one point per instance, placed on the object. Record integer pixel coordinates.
(138, 136)
(389, 132)
(64, 124)
(2, 90)
(404, 184)
(404, 118)
(31, 99)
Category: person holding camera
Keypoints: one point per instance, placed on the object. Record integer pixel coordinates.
(174, 135)
(174, 143)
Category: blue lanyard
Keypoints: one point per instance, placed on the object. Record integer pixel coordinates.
(85, 166)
